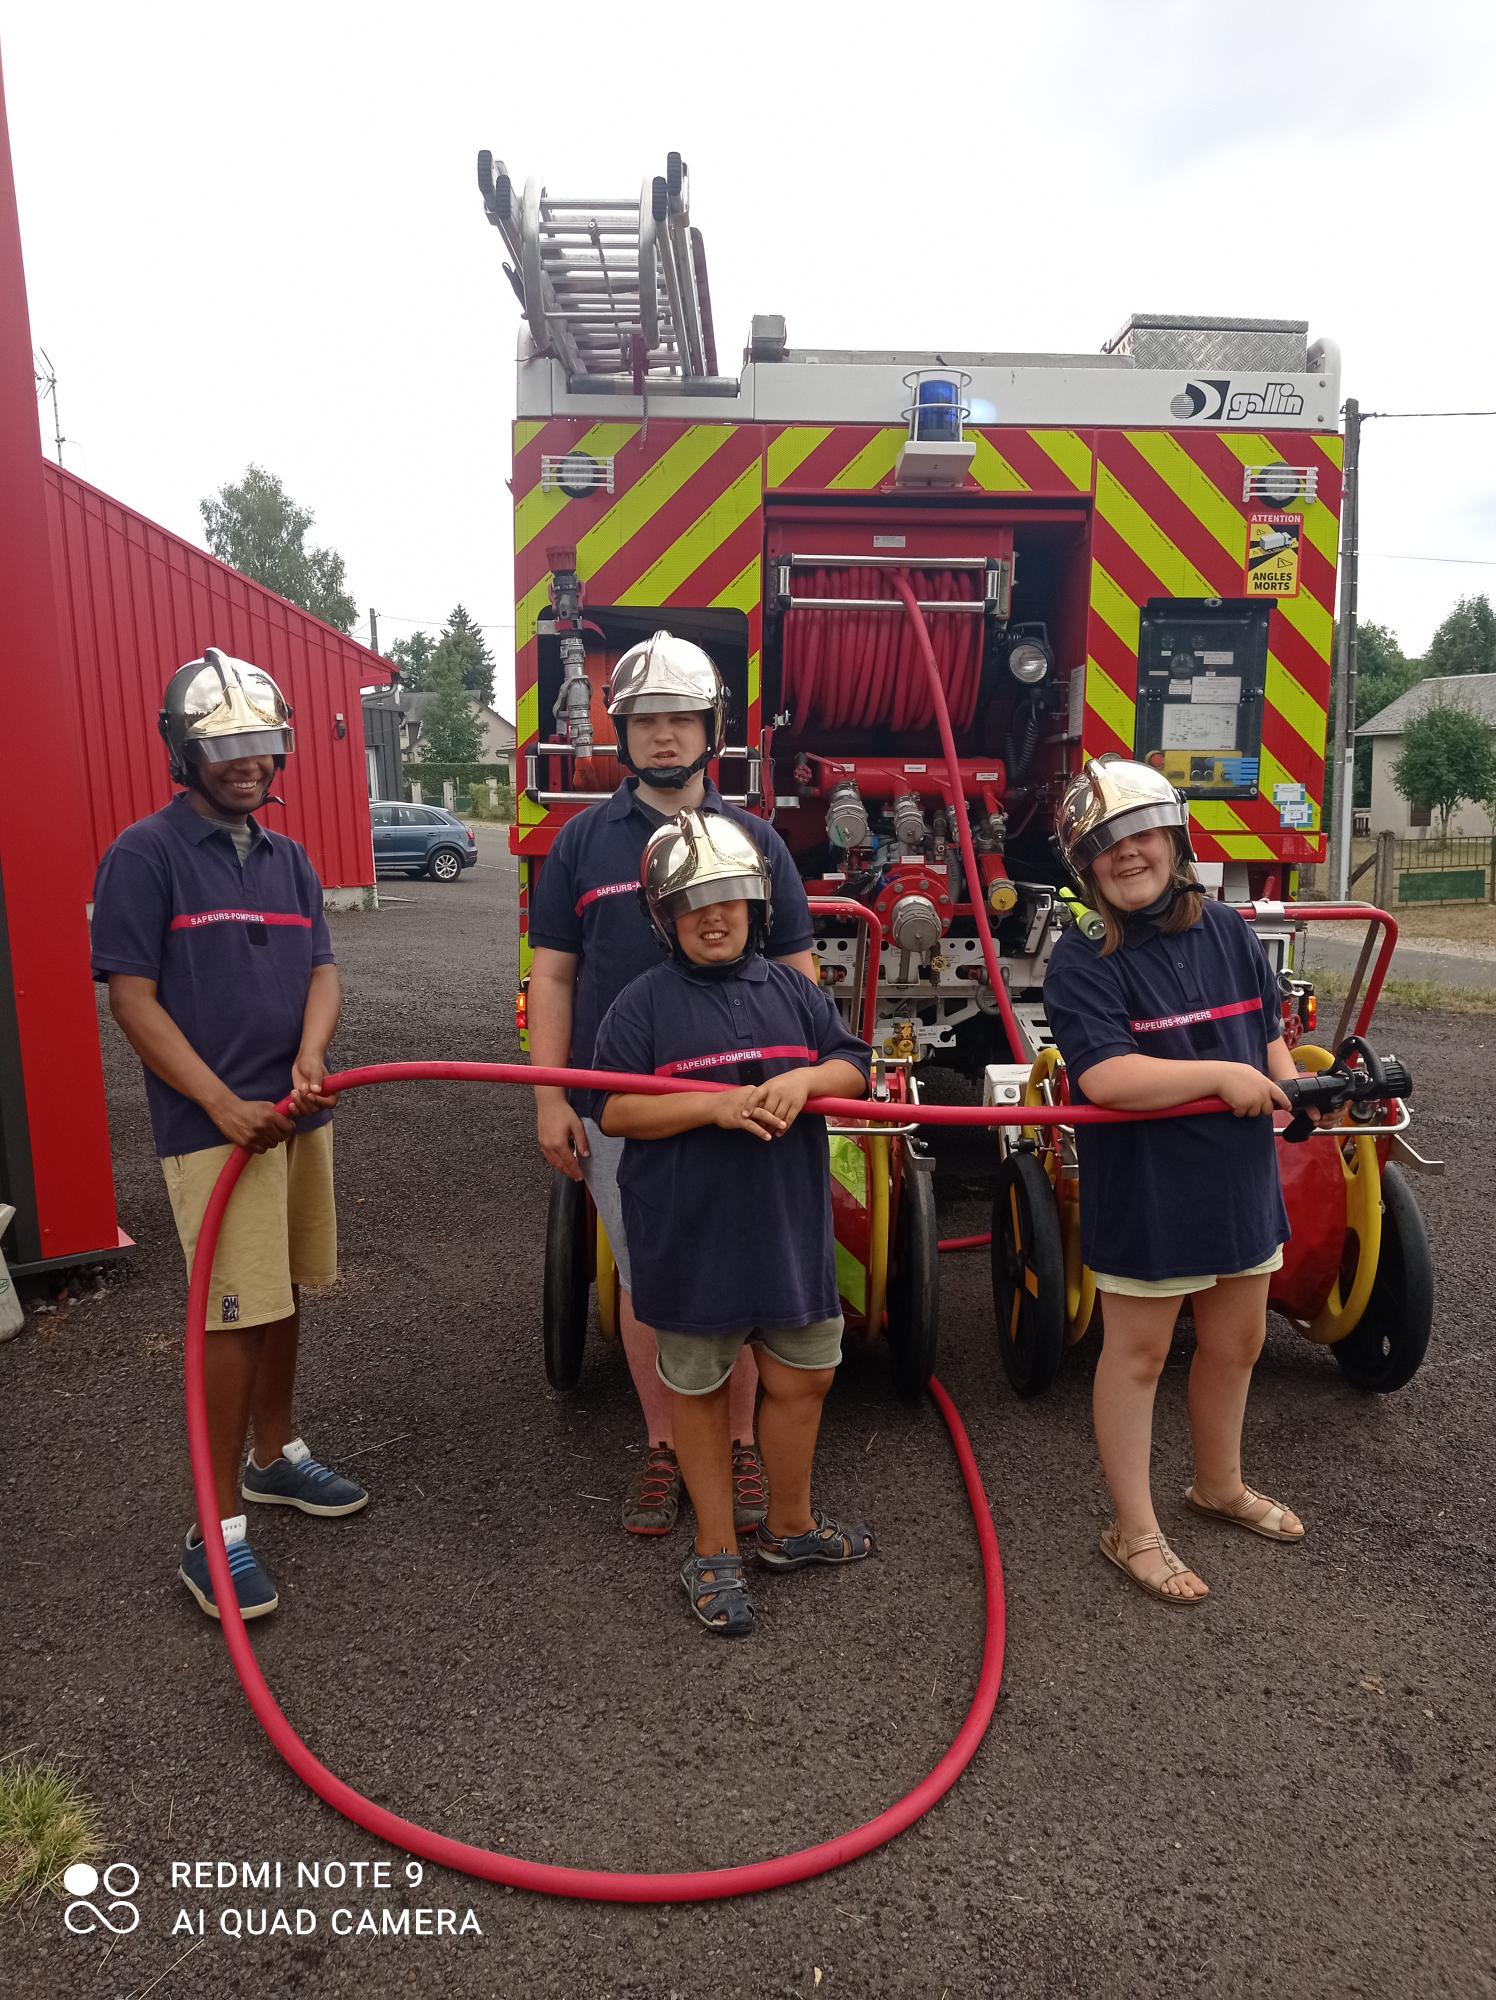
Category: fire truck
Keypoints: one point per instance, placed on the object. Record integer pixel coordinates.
(936, 583)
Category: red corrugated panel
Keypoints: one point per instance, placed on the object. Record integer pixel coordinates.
(134, 603)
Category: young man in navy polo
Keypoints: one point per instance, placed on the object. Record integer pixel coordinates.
(590, 938)
(210, 934)
(727, 1197)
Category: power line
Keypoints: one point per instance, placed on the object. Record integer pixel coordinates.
(1460, 562)
(1366, 414)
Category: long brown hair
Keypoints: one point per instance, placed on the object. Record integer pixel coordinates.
(1182, 914)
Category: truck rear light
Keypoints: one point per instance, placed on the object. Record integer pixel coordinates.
(1310, 1011)
(522, 1007)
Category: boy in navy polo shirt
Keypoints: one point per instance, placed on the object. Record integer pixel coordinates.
(726, 1196)
(1176, 1002)
(210, 934)
(590, 938)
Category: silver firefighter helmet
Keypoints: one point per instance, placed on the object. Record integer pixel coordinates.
(700, 858)
(217, 709)
(1112, 798)
(664, 675)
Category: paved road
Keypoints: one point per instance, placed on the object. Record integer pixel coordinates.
(1288, 1793)
(1470, 967)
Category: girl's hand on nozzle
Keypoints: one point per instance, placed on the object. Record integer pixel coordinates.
(742, 1110)
(1248, 1091)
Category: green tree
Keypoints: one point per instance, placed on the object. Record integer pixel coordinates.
(451, 734)
(1448, 755)
(1466, 641)
(257, 527)
(413, 657)
(461, 646)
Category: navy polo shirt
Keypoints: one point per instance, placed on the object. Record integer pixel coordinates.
(586, 902)
(1180, 1197)
(723, 1230)
(230, 946)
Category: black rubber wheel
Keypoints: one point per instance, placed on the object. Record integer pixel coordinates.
(567, 1282)
(1384, 1351)
(914, 1285)
(1028, 1274)
(444, 864)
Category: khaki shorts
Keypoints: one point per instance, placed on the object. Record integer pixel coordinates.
(695, 1364)
(280, 1228)
(1175, 1288)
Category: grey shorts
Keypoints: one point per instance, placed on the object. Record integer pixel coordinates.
(600, 1171)
(696, 1364)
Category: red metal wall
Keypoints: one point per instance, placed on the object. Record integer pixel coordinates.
(133, 603)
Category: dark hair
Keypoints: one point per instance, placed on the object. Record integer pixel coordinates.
(1182, 914)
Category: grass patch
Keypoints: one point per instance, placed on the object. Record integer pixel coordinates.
(1422, 996)
(46, 1824)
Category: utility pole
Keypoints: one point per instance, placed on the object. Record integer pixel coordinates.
(49, 388)
(373, 630)
(1345, 661)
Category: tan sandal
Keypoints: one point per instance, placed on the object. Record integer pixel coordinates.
(1120, 1552)
(1270, 1525)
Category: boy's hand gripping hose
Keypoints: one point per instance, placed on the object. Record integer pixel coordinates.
(602, 1885)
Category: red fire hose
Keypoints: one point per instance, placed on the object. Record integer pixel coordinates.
(602, 1885)
(846, 668)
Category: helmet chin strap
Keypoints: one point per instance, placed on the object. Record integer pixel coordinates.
(662, 777)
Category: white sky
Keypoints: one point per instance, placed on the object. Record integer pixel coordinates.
(256, 234)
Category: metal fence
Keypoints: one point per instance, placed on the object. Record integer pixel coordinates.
(1462, 870)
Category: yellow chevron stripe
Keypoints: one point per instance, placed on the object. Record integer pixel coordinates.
(628, 514)
(1296, 705)
(526, 433)
(535, 511)
(701, 540)
(1116, 709)
(1111, 602)
(1332, 444)
(530, 814)
(1147, 540)
(1215, 817)
(991, 470)
(527, 716)
(872, 465)
(789, 451)
(754, 677)
(1308, 616)
(1319, 522)
(1219, 516)
(742, 593)
(1070, 453)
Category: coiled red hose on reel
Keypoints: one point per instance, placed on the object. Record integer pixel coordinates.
(861, 669)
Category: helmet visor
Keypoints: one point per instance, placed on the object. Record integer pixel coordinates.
(229, 749)
(1140, 819)
(719, 889)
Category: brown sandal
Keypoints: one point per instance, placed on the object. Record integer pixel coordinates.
(1118, 1551)
(1269, 1525)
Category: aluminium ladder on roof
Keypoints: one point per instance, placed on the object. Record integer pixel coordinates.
(610, 287)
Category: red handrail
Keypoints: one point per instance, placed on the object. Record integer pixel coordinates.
(844, 910)
(1341, 913)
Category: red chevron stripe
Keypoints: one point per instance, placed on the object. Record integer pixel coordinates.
(1029, 462)
(719, 569)
(1175, 519)
(1219, 464)
(1126, 569)
(833, 455)
(654, 536)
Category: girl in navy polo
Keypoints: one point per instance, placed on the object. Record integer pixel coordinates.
(1176, 1002)
(726, 1197)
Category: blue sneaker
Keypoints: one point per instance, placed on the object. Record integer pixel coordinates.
(257, 1595)
(296, 1479)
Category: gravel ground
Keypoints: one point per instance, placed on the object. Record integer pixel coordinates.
(1287, 1793)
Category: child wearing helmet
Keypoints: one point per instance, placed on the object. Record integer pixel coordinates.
(590, 938)
(1174, 1002)
(209, 933)
(726, 1196)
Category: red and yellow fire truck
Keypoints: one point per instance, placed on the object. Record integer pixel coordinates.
(1129, 550)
